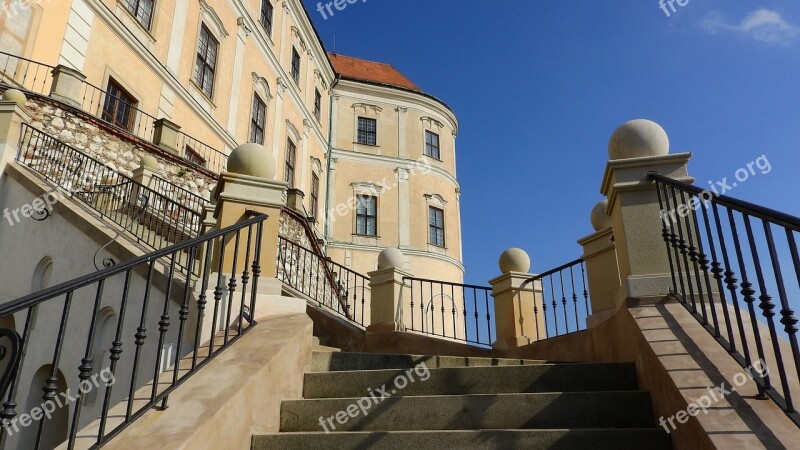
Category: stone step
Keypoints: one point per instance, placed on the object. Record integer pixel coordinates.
(474, 380)
(327, 362)
(597, 439)
(624, 409)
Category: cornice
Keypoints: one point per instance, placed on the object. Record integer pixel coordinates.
(406, 251)
(390, 161)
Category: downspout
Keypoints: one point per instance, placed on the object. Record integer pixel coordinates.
(327, 230)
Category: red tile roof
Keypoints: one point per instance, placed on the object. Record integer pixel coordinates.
(370, 71)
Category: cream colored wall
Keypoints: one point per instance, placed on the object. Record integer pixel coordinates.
(396, 171)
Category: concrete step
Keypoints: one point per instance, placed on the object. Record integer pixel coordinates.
(321, 346)
(598, 439)
(327, 362)
(625, 409)
(474, 380)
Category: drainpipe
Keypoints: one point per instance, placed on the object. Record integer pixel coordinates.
(327, 230)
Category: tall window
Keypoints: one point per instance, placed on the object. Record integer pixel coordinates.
(258, 121)
(291, 158)
(295, 65)
(193, 157)
(367, 215)
(367, 131)
(118, 108)
(206, 61)
(436, 226)
(266, 15)
(142, 10)
(432, 145)
(317, 104)
(314, 194)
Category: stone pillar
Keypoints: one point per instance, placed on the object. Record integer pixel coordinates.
(249, 187)
(514, 304)
(387, 286)
(294, 200)
(165, 135)
(68, 86)
(12, 115)
(636, 148)
(602, 271)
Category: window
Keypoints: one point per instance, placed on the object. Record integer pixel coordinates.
(258, 121)
(317, 104)
(432, 145)
(266, 15)
(314, 194)
(193, 157)
(206, 61)
(295, 65)
(142, 10)
(291, 155)
(367, 131)
(367, 215)
(436, 226)
(118, 108)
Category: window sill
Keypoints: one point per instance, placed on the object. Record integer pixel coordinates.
(202, 97)
(133, 25)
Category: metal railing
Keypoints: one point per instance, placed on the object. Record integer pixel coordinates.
(332, 286)
(744, 248)
(117, 112)
(449, 310)
(26, 74)
(185, 197)
(75, 334)
(563, 292)
(201, 154)
(159, 219)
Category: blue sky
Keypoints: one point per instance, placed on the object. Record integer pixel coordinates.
(539, 86)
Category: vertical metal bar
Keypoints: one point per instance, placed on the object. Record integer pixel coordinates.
(163, 327)
(693, 256)
(219, 289)
(231, 287)
(665, 234)
(684, 251)
(246, 275)
(717, 271)
(141, 335)
(201, 300)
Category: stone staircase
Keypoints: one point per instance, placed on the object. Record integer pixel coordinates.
(442, 402)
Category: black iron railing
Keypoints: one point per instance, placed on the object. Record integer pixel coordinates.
(461, 312)
(118, 111)
(90, 336)
(185, 197)
(561, 300)
(332, 286)
(201, 154)
(25, 74)
(727, 258)
(153, 218)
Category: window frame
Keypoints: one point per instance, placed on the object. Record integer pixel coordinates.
(258, 106)
(429, 147)
(432, 227)
(290, 162)
(263, 16)
(365, 216)
(296, 63)
(202, 59)
(122, 96)
(133, 7)
(314, 195)
(366, 132)
(190, 155)
(317, 104)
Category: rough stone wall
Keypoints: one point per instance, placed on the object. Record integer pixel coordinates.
(116, 152)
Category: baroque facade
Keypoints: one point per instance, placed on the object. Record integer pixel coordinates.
(372, 155)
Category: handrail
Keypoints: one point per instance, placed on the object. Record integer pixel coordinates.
(762, 212)
(146, 293)
(38, 84)
(710, 237)
(450, 310)
(166, 219)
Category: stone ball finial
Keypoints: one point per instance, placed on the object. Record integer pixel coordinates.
(16, 96)
(391, 257)
(253, 160)
(515, 260)
(638, 138)
(150, 162)
(600, 219)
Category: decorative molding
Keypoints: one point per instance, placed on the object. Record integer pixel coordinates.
(299, 39)
(435, 200)
(316, 165)
(261, 86)
(402, 173)
(244, 31)
(365, 108)
(318, 76)
(292, 131)
(393, 162)
(282, 86)
(366, 188)
(212, 20)
(430, 123)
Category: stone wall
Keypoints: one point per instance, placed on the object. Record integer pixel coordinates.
(111, 148)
